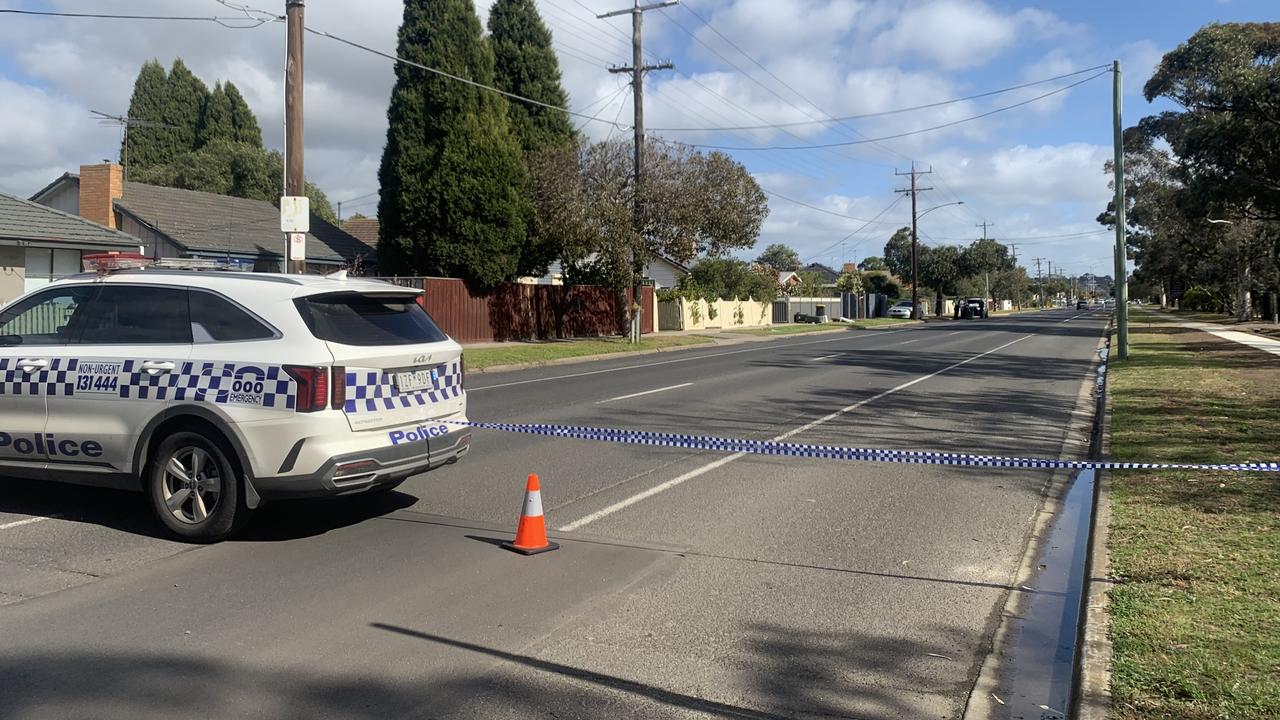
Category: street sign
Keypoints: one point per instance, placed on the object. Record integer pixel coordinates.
(295, 214)
(297, 246)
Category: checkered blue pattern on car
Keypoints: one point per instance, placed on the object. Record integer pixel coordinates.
(222, 383)
(376, 391)
(58, 379)
(836, 452)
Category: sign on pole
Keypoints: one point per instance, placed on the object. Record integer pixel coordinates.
(297, 246)
(295, 214)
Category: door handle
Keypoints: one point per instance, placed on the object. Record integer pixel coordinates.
(157, 367)
(30, 365)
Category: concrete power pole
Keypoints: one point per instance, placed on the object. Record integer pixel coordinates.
(1122, 282)
(984, 225)
(637, 70)
(294, 178)
(915, 240)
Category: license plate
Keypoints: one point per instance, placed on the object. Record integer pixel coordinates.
(415, 380)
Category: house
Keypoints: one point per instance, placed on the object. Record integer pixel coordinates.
(39, 244)
(364, 229)
(661, 272)
(829, 276)
(170, 222)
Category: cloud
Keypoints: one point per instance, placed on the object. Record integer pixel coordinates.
(957, 34)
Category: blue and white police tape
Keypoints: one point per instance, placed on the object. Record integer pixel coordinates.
(836, 452)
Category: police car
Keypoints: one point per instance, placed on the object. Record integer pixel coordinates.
(214, 391)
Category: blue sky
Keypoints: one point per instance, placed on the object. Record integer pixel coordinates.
(1035, 171)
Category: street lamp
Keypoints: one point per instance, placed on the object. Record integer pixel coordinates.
(915, 265)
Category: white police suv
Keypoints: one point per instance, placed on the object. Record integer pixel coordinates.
(212, 391)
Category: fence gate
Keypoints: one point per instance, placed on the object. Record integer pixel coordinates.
(780, 311)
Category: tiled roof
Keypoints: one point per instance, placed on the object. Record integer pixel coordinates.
(364, 229)
(25, 220)
(210, 223)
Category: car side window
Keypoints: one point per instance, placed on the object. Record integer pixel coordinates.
(142, 314)
(45, 318)
(217, 319)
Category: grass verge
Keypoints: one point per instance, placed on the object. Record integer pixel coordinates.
(518, 353)
(1197, 555)
(797, 328)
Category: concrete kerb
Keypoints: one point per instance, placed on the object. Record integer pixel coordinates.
(717, 340)
(1093, 689)
(983, 703)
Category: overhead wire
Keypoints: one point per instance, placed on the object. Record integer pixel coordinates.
(820, 146)
(883, 113)
(223, 21)
(864, 226)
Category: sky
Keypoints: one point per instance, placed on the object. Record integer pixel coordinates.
(1033, 173)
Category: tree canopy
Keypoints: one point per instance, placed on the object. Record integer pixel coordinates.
(525, 64)
(215, 145)
(779, 257)
(693, 205)
(729, 279)
(1216, 157)
(897, 253)
(452, 177)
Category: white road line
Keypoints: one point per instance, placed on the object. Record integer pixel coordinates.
(908, 342)
(28, 521)
(623, 504)
(646, 392)
(767, 346)
(825, 357)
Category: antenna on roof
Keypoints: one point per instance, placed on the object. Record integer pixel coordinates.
(125, 122)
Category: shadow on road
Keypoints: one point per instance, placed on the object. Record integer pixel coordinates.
(128, 511)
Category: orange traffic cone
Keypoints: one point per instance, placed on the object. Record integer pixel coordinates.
(531, 533)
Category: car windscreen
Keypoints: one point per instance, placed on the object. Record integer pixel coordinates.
(353, 318)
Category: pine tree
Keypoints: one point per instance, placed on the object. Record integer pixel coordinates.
(147, 145)
(452, 176)
(526, 65)
(186, 95)
(215, 120)
(243, 121)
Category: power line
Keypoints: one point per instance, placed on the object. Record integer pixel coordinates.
(887, 208)
(451, 76)
(908, 133)
(883, 113)
(822, 209)
(113, 16)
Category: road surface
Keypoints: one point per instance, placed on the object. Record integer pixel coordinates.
(688, 584)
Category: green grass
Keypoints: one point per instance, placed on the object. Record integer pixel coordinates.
(795, 328)
(518, 353)
(1196, 613)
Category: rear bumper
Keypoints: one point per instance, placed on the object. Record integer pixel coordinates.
(364, 470)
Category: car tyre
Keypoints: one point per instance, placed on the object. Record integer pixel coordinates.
(195, 488)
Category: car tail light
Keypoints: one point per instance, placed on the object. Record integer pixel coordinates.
(313, 387)
(339, 384)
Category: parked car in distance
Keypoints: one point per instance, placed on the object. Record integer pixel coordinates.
(971, 308)
(212, 392)
(901, 309)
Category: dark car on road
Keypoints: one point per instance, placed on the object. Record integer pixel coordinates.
(1082, 304)
(971, 308)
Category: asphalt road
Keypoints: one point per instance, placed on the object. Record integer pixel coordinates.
(689, 584)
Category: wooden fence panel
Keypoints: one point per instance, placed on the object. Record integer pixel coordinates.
(516, 311)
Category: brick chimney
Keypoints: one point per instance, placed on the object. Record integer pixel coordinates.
(99, 186)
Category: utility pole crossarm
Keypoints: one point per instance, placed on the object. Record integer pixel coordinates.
(637, 8)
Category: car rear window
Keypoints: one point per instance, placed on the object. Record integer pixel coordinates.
(358, 319)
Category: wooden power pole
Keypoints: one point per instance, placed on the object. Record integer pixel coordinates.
(915, 240)
(294, 177)
(637, 69)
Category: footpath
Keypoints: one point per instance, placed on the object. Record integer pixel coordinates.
(1190, 578)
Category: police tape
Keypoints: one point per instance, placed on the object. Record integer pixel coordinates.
(836, 452)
